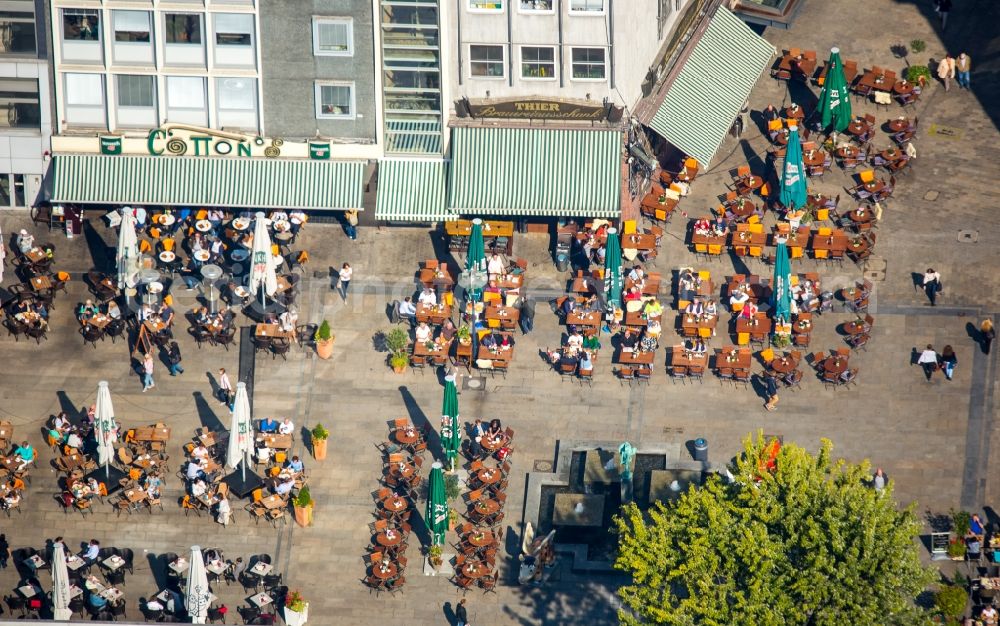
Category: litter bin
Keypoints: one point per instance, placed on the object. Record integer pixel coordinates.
(701, 450)
(562, 262)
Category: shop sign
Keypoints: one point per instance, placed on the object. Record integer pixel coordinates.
(319, 150)
(540, 109)
(111, 145)
(177, 140)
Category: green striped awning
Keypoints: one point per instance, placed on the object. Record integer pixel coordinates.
(411, 190)
(535, 172)
(205, 181)
(715, 81)
(413, 137)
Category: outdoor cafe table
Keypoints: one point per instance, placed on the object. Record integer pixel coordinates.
(261, 568)
(394, 504)
(849, 151)
(733, 357)
(578, 317)
(899, 124)
(691, 325)
(216, 567)
(73, 562)
(835, 364)
(402, 469)
(384, 572)
(272, 330)
(510, 282)
(681, 357)
(436, 349)
(651, 285)
(759, 326)
(803, 324)
(406, 436)
(283, 284)
(859, 245)
(34, 561)
(492, 444)
(209, 439)
(114, 561)
(784, 364)
(857, 327)
(489, 475)
(383, 539)
(480, 538)
(475, 569)
(883, 81)
(990, 582)
(152, 433)
(273, 501)
(798, 66)
(699, 239)
(502, 313)
(742, 207)
(486, 506)
(635, 318)
(643, 242)
(891, 154)
(819, 201)
(861, 215)
(260, 600)
(497, 354)
(178, 565)
(38, 283)
(814, 158)
(635, 357)
(858, 127)
(29, 591)
(433, 313)
(276, 441)
(836, 241)
(750, 285)
(463, 228)
(436, 277)
(98, 321)
(154, 325)
(35, 255)
(6, 432)
(797, 239)
(746, 239)
(753, 182)
(795, 112)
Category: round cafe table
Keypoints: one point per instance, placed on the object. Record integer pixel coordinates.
(202, 255)
(474, 569)
(857, 128)
(903, 87)
(241, 223)
(486, 507)
(859, 245)
(405, 437)
(856, 327)
(491, 444)
(167, 219)
(848, 152)
(795, 112)
(488, 476)
(861, 216)
(802, 329)
(755, 182)
(874, 186)
(405, 471)
(167, 256)
(835, 365)
(782, 138)
(899, 124)
(814, 157)
(484, 538)
(784, 364)
(394, 504)
(848, 294)
(383, 539)
(203, 226)
(389, 573)
(743, 207)
(891, 154)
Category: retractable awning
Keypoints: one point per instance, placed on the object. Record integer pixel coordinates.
(205, 181)
(535, 172)
(714, 82)
(411, 190)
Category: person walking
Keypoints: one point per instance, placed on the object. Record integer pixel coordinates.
(772, 392)
(932, 285)
(948, 361)
(963, 64)
(147, 372)
(461, 615)
(225, 387)
(929, 361)
(346, 273)
(943, 7)
(351, 223)
(986, 335)
(174, 358)
(946, 70)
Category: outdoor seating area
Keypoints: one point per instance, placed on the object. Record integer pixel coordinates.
(16, 463)
(28, 303)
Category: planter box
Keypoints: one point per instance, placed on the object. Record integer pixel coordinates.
(296, 618)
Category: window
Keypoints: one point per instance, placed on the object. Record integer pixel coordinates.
(19, 103)
(85, 90)
(486, 61)
(538, 62)
(236, 94)
(81, 25)
(18, 189)
(537, 6)
(486, 5)
(185, 92)
(131, 26)
(4, 190)
(333, 36)
(334, 100)
(183, 28)
(233, 29)
(588, 64)
(17, 25)
(586, 6)
(135, 91)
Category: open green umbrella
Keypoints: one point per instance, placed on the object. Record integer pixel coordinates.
(613, 272)
(834, 100)
(475, 259)
(436, 515)
(781, 287)
(793, 178)
(451, 435)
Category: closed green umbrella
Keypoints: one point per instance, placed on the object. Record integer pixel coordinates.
(475, 260)
(613, 280)
(451, 436)
(781, 292)
(436, 515)
(834, 100)
(793, 179)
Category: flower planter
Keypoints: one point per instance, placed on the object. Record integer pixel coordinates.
(324, 349)
(296, 618)
(319, 449)
(303, 515)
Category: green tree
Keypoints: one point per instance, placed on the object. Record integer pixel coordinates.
(809, 542)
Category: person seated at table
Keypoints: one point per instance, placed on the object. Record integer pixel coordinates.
(294, 464)
(194, 471)
(637, 275)
(166, 314)
(428, 296)
(86, 311)
(153, 606)
(599, 254)
(25, 241)
(12, 499)
(422, 333)
(720, 226)
(25, 453)
(496, 265)
(145, 313)
(695, 346)
(630, 339)
(711, 309)
(568, 306)
(215, 250)
(749, 310)
(493, 287)
(62, 422)
(648, 342)
(407, 310)
(701, 226)
(495, 429)
(91, 552)
(574, 341)
(770, 113)
(973, 547)
(489, 341)
(286, 427)
(738, 299)
(634, 294)
(54, 435)
(591, 304)
(199, 452)
(288, 320)
(152, 491)
(263, 454)
(653, 328)
(284, 487)
(585, 364)
(448, 330)
(73, 440)
(199, 488)
(506, 342)
(96, 600)
(278, 216)
(695, 307)
(652, 309)
(268, 426)
(976, 527)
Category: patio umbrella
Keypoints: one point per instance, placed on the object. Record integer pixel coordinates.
(198, 596)
(240, 430)
(436, 515)
(128, 251)
(475, 259)
(626, 455)
(793, 180)
(781, 292)
(613, 272)
(451, 436)
(104, 425)
(262, 272)
(60, 584)
(3, 255)
(834, 101)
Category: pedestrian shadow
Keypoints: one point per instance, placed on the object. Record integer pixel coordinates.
(449, 613)
(420, 421)
(973, 332)
(209, 420)
(918, 280)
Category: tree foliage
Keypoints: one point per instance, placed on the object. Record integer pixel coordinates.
(808, 543)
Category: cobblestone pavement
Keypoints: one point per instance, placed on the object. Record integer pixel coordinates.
(933, 439)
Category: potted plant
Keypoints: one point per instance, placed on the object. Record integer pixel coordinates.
(319, 435)
(452, 489)
(919, 74)
(296, 609)
(324, 340)
(950, 600)
(452, 519)
(399, 361)
(960, 521)
(956, 549)
(303, 505)
(434, 556)
(396, 342)
(464, 334)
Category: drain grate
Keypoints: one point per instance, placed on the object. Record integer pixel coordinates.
(968, 236)
(474, 383)
(541, 466)
(945, 132)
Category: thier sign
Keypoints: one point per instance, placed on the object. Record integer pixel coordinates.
(541, 110)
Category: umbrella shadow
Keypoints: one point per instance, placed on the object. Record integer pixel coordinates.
(420, 421)
(67, 405)
(800, 93)
(420, 526)
(209, 420)
(101, 254)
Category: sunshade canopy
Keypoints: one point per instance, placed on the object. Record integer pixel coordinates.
(412, 190)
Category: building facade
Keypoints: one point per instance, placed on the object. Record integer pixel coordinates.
(25, 115)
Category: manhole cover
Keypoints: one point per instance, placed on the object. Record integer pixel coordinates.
(875, 276)
(968, 236)
(477, 383)
(945, 132)
(542, 466)
(932, 195)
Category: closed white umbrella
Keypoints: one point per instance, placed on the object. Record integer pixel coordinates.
(198, 596)
(240, 430)
(262, 272)
(60, 584)
(104, 425)
(128, 251)
(3, 254)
